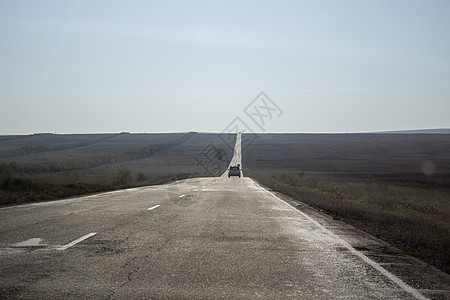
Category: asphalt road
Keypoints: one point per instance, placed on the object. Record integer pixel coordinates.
(199, 239)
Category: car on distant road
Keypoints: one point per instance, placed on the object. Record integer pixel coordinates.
(234, 171)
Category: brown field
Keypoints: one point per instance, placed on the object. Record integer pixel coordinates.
(47, 166)
(395, 186)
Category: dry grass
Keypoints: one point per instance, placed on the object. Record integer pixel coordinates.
(45, 167)
(372, 181)
(414, 218)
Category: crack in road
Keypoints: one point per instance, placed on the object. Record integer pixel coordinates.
(129, 275)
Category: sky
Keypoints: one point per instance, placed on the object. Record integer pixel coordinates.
(175, 66)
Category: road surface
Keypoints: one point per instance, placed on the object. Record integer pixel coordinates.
(199, 239)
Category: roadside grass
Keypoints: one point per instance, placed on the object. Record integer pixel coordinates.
(19, 190)
(410, 211)
(50, 167)
(374, 181)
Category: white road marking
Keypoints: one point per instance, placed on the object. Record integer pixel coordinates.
(375, 265)
(34, 242)
(153, 207)
(73, 243)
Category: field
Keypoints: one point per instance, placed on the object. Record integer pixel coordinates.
(49, 166)
(395, 186)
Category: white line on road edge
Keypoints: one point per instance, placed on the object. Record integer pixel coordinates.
(77, 241)
(153, 207)
(377, 266)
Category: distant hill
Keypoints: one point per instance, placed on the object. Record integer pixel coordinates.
(420, 131)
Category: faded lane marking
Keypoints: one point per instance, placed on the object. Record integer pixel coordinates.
(73, 243)
(153, 207)
(34, 242)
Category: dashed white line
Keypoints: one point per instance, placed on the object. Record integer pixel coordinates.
(153, 207)
(76, 241)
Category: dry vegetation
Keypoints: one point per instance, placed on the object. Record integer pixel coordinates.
(46, 166)
(372, 181)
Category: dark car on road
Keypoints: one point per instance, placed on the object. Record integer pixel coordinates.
(234, 171)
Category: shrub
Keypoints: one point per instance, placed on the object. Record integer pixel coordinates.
(10, 183)
(140, 177)
(122, 176)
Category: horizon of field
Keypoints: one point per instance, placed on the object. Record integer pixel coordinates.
(390, 131)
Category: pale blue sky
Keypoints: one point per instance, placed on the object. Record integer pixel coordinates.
(163, 66)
